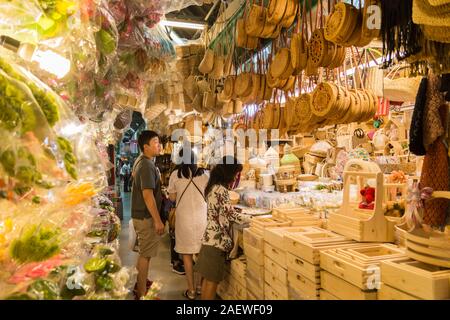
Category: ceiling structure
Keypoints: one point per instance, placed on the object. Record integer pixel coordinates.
(207, 14)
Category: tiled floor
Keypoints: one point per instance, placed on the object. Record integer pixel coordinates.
(160, 269)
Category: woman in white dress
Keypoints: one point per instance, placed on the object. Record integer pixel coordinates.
(186, 186)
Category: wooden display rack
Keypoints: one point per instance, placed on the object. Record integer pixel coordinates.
(416, 278)
(362, 225)
(359, 266)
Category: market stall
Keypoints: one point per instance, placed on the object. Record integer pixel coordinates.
(337, 110)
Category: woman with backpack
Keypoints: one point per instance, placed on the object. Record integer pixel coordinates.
(186, 186)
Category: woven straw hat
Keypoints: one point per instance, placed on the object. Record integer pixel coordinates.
(438, 2)
(440, 34)
(424, 13)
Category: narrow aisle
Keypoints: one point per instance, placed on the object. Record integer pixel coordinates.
(173, 284)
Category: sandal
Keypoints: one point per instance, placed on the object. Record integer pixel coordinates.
(189, 294)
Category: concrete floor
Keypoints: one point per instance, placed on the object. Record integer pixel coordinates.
(173, 284)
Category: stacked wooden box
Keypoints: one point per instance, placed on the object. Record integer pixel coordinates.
(408, 279)
(275, 262)
(303, 259)
(254, 251)
(234, 285)
(353, 273)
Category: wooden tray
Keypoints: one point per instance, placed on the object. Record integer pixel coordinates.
(308, 290)
(272, 281)
(275, 236)
(343, 289)
(253, 239)
(310, 271)
(429, 247)
(307, 245)
(423, 280)
(258, 224)
(325, 295)
(359, 265)
(275, 254)
(389, 293)
(284, 213)
(298, 216)
(278, 271)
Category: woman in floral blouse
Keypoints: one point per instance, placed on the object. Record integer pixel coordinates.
(217, 240)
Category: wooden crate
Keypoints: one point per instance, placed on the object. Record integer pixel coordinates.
(275, 236)
(414, 277)
(294, 294)
(240, 291)
(255, 289)
(277, 285)
(389, 293)
(259, 224)
(325, 295)
(251, 296)
(359, 265)
(275, 254)
(256, 274)
(360, 224)
(272, 294)
(429, 247)
(310, 271)
(307, 244)
(308, 289)
(225, 290)
(343, 289)
(238, 268)
(276, 270)
(256, 255)
(253, 239)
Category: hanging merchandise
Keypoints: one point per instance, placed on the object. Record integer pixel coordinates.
(401, 37)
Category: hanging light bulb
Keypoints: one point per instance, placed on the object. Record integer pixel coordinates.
(48, 60)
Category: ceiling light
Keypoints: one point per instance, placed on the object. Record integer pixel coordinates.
(48, 60)
(182, 24)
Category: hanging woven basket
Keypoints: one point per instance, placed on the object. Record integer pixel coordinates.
(254, 24)
(276, 10)
(207, 63)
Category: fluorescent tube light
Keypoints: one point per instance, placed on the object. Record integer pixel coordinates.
(182, 24)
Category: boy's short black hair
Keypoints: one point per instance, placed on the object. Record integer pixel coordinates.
(145, 137)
